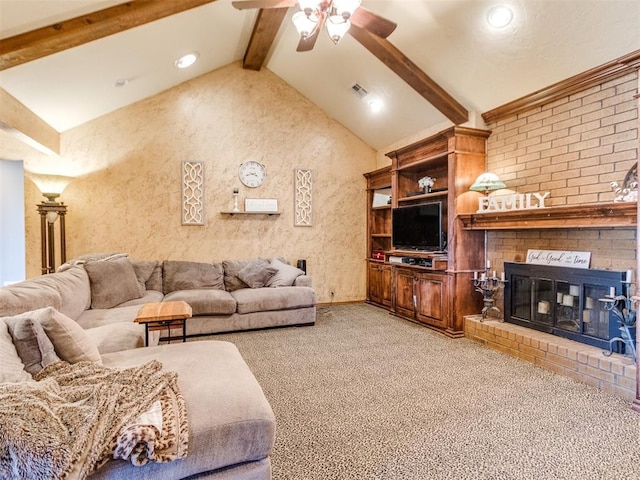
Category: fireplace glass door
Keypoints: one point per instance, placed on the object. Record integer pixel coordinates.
(562, 301)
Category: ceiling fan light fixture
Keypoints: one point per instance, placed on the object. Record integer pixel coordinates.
(305, 23)
(309, 6)
(337, 27)
(345, 8)
(186, 60)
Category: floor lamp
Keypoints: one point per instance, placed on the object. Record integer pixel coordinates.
(50, 211)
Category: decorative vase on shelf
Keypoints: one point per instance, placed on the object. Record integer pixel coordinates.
(426, 183)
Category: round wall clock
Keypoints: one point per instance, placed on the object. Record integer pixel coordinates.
(252, 173)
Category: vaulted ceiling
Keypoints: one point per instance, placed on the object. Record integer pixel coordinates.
(449, 42)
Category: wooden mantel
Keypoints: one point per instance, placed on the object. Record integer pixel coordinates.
(597, 215)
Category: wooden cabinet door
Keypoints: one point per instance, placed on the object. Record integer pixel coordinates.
(405, 294)
(380, 284)
(431, 300)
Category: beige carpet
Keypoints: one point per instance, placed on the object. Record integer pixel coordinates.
(365, 395)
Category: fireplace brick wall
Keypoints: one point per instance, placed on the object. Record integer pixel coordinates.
(573, 147)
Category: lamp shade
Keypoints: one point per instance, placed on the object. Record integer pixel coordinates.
(305, 24)
(486, 182)
(337, 27)
(51, 186)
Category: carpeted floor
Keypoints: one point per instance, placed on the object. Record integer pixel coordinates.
(365, 395)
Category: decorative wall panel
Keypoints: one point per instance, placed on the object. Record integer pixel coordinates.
(192, 193)
(303, 199)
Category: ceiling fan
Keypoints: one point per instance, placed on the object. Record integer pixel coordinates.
(337, 15)
(342, 16)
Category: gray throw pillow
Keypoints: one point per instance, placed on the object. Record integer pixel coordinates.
(285, 276)
(256, 274)
(181, 275)
(112, 282)
(231, 270)
(32, 344)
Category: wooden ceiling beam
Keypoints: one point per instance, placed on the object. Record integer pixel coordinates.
(264, 33)
(77, 31)
(412, 74)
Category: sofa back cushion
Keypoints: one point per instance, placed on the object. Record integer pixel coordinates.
(144, 270)
(74, 289)
(29, 295)
(112, 282)
(182, 275)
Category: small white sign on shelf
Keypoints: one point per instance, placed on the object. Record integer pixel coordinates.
(559, 258)
(381, 197)
(261, 205)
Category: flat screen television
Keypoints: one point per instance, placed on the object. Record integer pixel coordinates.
(418, 227)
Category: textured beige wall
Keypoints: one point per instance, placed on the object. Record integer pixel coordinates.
(127, 196)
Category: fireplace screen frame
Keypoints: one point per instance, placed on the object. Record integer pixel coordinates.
(563, 301)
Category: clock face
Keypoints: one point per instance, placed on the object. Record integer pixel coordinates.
(252, 173)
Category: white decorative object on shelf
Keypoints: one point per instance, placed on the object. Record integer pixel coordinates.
(192, 193)
(303, 198)
(628, 194)
(517, 201)
(426, 183)
(265, 205)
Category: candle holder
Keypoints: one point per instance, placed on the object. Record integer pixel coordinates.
(624, 308)
(488, 285)
(235, 200)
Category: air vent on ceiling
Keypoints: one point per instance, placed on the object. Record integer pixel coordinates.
(359, 90)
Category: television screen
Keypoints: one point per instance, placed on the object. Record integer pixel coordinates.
(418, 227)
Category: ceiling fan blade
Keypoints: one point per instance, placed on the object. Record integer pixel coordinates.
(372, 22)
(411, 73)
(264, 4)
(306, 44)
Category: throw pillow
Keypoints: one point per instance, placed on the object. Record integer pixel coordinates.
(232, 269)
(285, 275)
(256, 274)
(143, 273)
(11, 366)
(32, 344)
(70, 341)
(112, 282)
(182, 275)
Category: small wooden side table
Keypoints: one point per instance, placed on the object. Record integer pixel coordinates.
(161, 315)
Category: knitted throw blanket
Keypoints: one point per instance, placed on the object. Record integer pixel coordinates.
(75, 417)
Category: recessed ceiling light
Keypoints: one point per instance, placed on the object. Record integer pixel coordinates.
(375, 105)
(499, 16)
(186, 60)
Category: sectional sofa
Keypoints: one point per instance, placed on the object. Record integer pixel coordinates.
(86, 312)
(104, 296)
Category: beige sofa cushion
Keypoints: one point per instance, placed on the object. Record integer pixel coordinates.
(230, 420)
(207, 301)
(32, 344)
(11, 366)
(267, 299)
(115, 337)
(180, 275)
(143, 270)
(112, 282)
(75, 291)
(29, 295)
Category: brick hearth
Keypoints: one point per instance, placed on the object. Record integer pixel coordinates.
(616, 374)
